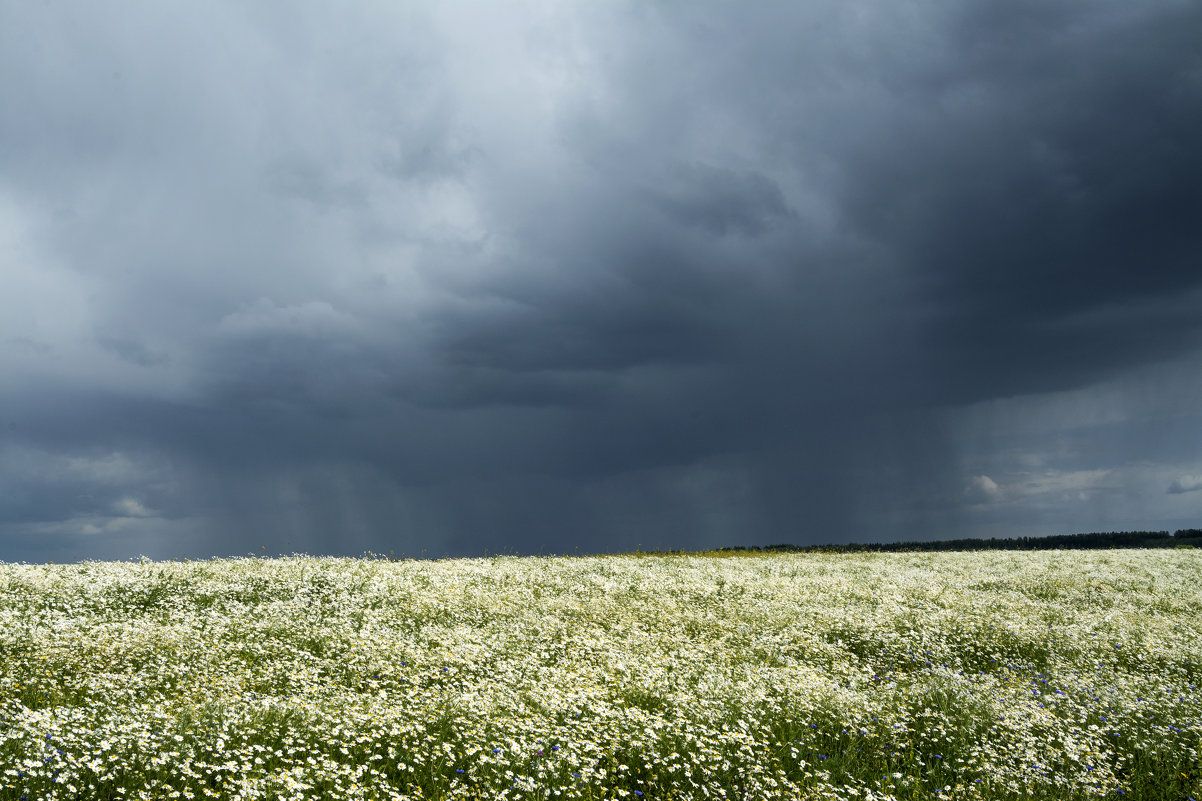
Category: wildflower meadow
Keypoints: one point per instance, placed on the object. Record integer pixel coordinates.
(988, 675)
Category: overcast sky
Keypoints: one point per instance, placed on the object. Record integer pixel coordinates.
(456, 278)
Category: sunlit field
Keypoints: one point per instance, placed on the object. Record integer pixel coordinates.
(986, 675)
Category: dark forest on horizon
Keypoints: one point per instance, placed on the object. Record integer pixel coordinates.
(1188, 538)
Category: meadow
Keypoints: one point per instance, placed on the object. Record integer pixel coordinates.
(988, 675)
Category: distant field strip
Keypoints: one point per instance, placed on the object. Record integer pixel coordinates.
(1058, 675)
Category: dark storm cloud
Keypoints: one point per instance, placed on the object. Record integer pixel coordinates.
(1046, 197)
(592, 277)
(721, 200)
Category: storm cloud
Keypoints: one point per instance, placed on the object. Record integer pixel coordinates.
(559, 277)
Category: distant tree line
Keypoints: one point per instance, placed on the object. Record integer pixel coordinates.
(1186, 537)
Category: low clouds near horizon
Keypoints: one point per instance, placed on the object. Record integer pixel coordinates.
(1185, 484)
(554, 277)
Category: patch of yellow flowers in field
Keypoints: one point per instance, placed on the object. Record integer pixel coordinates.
(853, 676)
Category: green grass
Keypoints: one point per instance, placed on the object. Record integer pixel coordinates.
(988, 675)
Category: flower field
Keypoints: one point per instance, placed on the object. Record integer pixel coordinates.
(1057, 674)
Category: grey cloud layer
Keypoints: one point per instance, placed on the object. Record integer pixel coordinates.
(558, 276)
